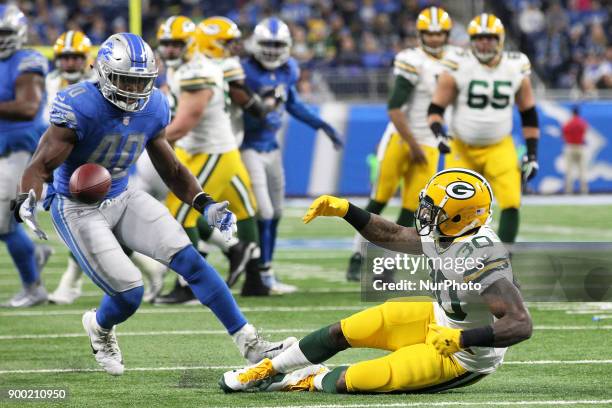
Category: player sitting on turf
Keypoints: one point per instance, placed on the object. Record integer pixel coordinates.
(483, 85)
(273, 75)
(433, 346)
(408, 150)
(110, 122)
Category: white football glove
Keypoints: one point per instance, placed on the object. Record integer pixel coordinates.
(218, 216)
(529, 168)
(25, 211)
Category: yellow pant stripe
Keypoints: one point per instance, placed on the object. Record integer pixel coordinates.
(207, 169)
(243, 193)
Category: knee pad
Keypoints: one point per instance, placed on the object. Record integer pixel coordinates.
(368, 376)
(361, 326)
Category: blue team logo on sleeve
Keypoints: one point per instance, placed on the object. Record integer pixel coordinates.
(61, 113)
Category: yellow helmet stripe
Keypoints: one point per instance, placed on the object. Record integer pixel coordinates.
(68, 41)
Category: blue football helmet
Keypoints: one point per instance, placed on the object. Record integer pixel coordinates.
(271, 43)
(126, 71)
(13, 29)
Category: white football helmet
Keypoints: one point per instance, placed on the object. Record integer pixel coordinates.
(271, 43)
(126, 71)
(13, 29)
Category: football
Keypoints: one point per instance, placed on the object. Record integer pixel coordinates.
(90, 183)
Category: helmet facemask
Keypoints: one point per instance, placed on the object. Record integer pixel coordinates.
(10, 41)
(70, 70)
(167, 51)
(129, 91)
(428, 217)
(487, 55)
(435, 51)
(272, 53)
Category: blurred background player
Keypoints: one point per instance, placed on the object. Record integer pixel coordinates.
(22, 103)
(273, 74)
(574, 132)
(483, 89)
(218, 39)
(202, 131)
(408, 150)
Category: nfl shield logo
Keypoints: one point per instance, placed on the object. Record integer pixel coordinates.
(126, 120)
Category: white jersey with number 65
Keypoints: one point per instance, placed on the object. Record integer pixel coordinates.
(483, 108)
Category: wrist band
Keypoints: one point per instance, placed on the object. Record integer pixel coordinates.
(479, 337)
(357, 217)
(201, 200)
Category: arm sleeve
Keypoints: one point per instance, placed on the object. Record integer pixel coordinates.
(402, 89)
(298, 109)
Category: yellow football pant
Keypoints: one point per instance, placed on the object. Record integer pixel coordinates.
(498, 163)
(224, 177)
(413, 364)
(395, 165)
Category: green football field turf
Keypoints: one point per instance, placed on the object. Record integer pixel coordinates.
(175, 355)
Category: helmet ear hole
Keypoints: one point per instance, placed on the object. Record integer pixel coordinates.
(456, 218)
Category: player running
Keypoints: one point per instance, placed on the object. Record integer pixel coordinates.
(408, 150)
(273, 74)
(483, 88)
(22, 103)
(111, 122)
(433, 346)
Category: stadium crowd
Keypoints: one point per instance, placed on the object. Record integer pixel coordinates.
(568, 41)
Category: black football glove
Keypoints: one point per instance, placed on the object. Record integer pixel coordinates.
(442, 137)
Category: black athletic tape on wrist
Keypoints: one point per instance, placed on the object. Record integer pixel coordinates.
(201, 201)
(357, 217)
(435, 109)
(16, 205)
(529, 117)
(532, 147)
(479, 337)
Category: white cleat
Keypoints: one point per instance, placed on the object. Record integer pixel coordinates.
(248, 377)
(280, 288)
(298, 380)
(254, 348)
(32, 295)
(103, 344)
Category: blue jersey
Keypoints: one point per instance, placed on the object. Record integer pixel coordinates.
(260, 134)
(106, 135)
(18, 135)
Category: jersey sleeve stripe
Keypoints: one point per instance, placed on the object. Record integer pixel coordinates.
(406, 67)
(233, 72)
(478, 277)
(450, 64)
(488, 265)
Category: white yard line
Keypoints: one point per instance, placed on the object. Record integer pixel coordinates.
(36, 336)
(231, 367)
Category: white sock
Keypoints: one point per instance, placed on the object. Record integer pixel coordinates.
(290, 360)
(358, 241)
(318, 381)
(70, 278)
